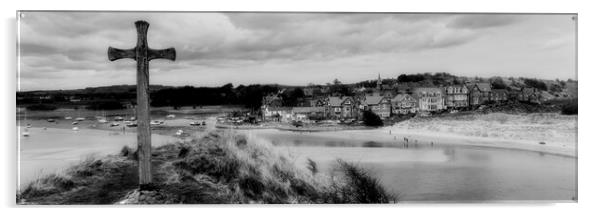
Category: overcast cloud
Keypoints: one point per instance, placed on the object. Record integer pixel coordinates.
(66, 50)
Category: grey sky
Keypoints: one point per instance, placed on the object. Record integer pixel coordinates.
(66, 50)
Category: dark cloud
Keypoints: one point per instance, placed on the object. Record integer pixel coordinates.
(62, 43)
(243, 36)
(280, 36)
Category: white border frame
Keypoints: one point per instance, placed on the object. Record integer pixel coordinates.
(589, 147)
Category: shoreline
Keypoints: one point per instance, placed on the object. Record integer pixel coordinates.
(284, 127)
(395, 139)
(391, 135)
(415, 137)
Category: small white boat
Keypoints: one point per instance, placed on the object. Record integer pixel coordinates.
(103, 121)
(75, 128)
(80, 119)
(113, 124)
(156, 122)
(74, 123)
(195, 123)
(171, 116)
(118, 118)
(68, 118)
(133, 119)
(179, 132)
(132, 124)
(50, 120)
(28, 126)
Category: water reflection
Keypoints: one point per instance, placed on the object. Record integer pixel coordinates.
(372, 144)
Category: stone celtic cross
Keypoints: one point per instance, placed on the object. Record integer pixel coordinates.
(142, 54)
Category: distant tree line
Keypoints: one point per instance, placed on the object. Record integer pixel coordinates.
(534, 83)
(250, 96)
(116, 97)
(105, 105)
(436, 79)
(292, 97)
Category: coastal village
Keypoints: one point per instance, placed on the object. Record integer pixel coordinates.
(392, 100)
(397, 99)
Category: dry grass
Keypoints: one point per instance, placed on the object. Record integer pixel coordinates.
(97, 181)
(221, 167)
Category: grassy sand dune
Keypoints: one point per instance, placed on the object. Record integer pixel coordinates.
(537, 127)
(220, 167)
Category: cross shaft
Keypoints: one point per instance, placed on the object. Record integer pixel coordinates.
(142, 54)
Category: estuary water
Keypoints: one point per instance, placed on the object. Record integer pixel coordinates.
(416, 172)
(440, 173)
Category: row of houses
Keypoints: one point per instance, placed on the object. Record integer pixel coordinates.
(386, 103)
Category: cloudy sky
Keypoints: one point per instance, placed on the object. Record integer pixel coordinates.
(67, 50)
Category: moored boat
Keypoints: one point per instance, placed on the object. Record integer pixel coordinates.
(156, 122)
(132, 124)
(25, 133)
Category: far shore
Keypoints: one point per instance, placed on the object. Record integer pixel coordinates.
(391, 135)
(290, 127)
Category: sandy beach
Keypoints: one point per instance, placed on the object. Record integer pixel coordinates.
(545, 133)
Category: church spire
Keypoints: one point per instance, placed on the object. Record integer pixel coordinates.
(379, 83)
